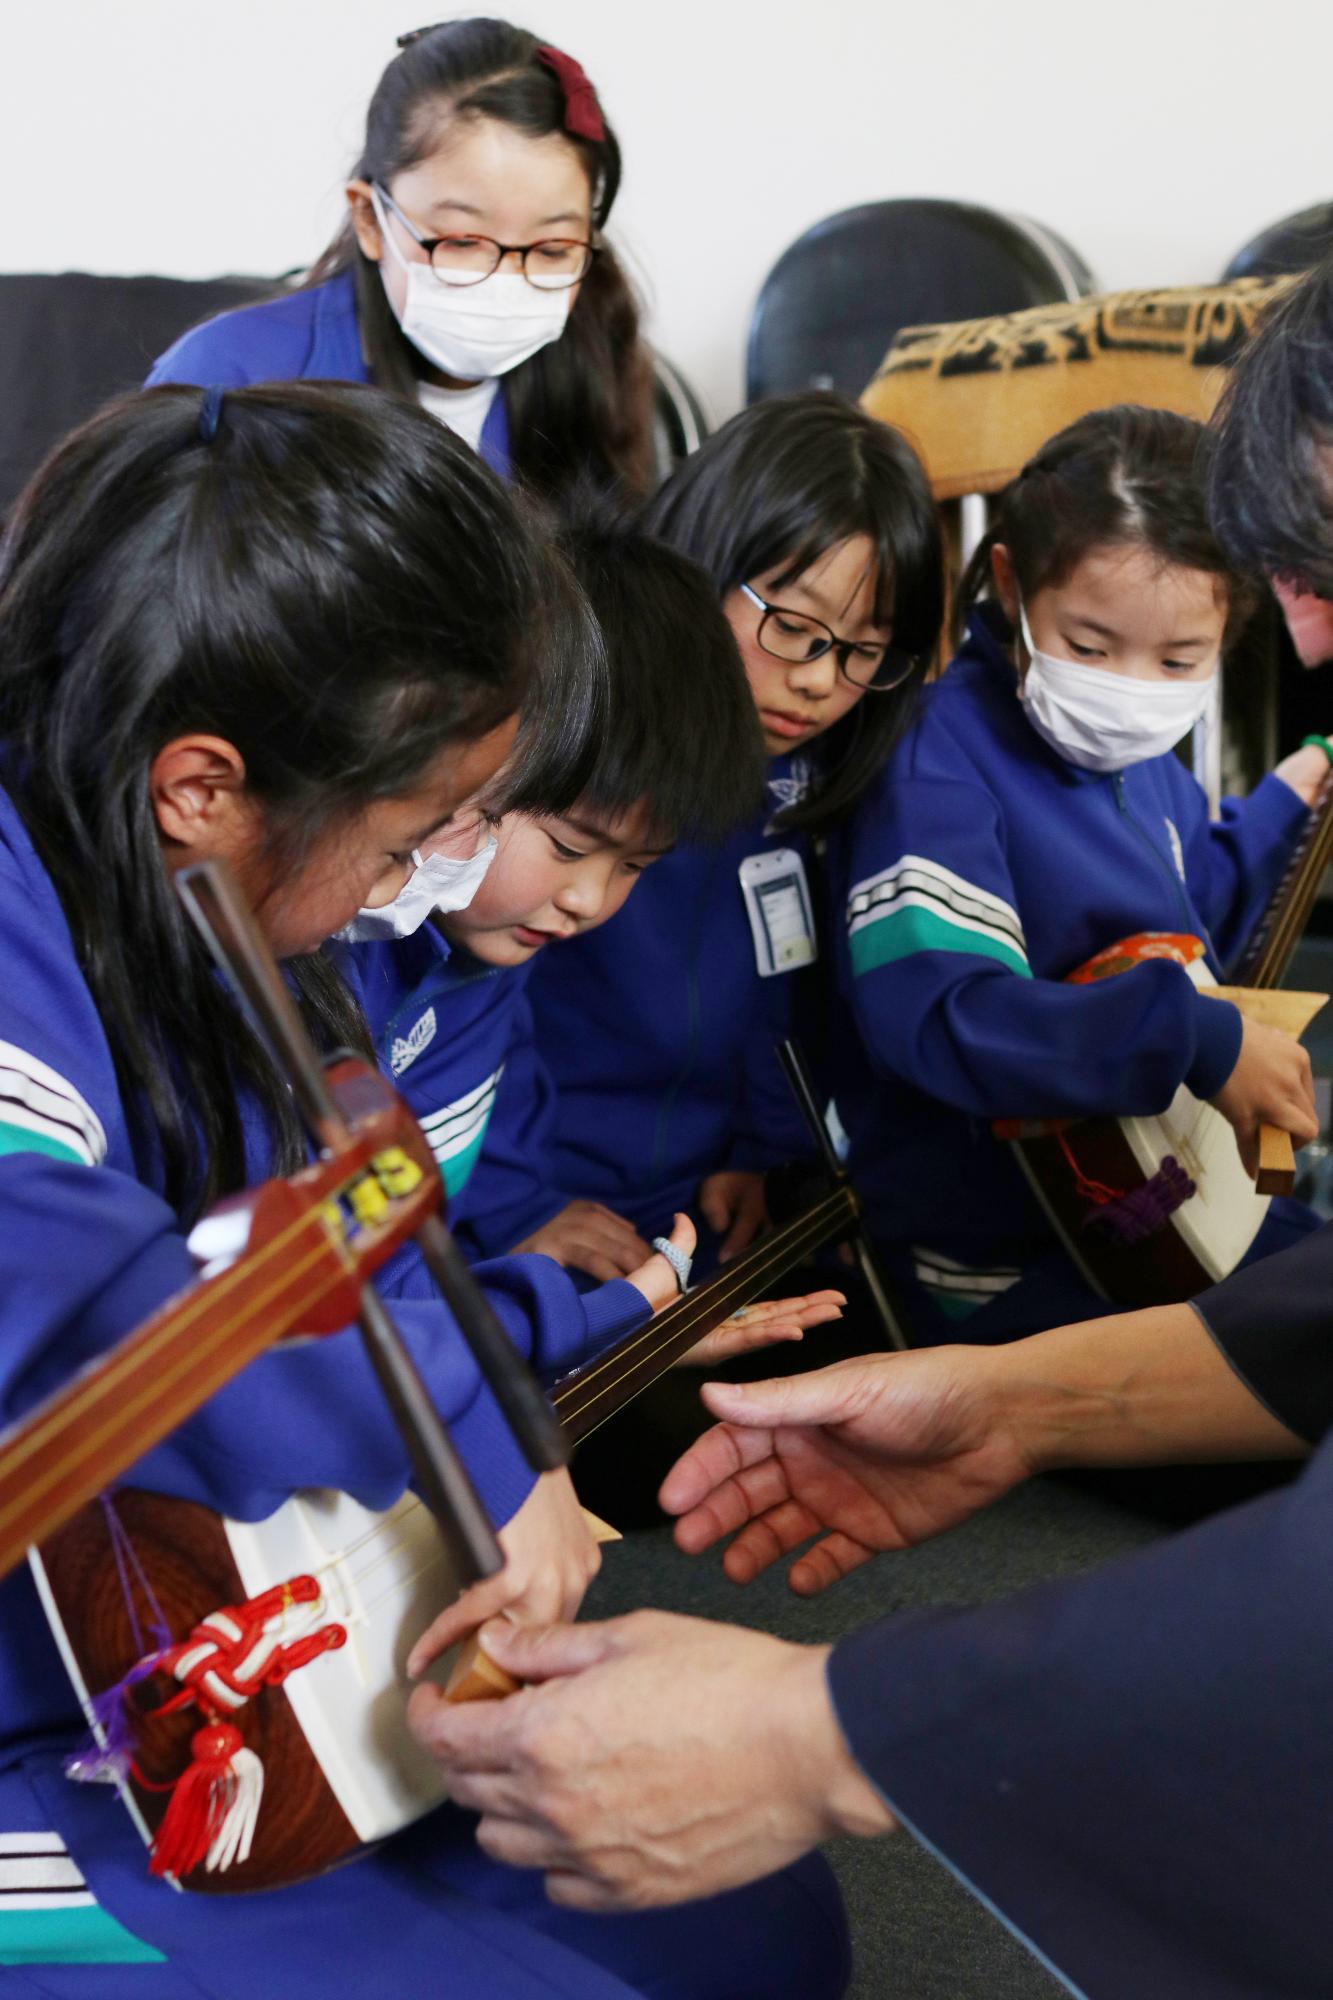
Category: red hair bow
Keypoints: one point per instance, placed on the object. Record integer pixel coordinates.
(583, 114)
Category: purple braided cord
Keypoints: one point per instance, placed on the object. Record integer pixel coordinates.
(1133, 1217)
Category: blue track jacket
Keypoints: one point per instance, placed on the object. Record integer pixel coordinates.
(980, 871)
(659, 1035)
(88, 1248)
(310, 335)
(456, 1036)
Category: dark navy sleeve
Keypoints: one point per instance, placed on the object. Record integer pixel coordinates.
(269, 342)
(1234, 864)
(554, 1324)
(1133, 1767)
(768, 1127)
(87, 1253)
(512, 1191)
(1273, 1321)
(945, 998)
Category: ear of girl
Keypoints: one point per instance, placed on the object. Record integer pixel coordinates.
(1033, 816)
(472, 273)
(816, 527)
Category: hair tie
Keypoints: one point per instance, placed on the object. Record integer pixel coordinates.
(583, 114)
(415, 34)
(210, 413)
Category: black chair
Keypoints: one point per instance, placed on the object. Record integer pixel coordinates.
(679, 423)
(834, 300)
(1293, 244)
(68, 342)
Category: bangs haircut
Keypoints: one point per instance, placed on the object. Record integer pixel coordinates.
(678, 736)
(771, 493)
(1270, 485)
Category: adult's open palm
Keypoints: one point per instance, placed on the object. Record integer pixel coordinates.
(871, 1454)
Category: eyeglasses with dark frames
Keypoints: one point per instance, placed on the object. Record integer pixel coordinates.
(551, 265)
(796, 637)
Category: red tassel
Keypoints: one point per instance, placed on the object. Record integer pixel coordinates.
(200, 1801)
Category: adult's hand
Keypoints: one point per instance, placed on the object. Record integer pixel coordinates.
(551, 1556)
(657, 1758)
(882, 1452)
(589, 1238)
(871, 1454)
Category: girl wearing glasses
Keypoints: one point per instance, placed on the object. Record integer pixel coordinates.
(816, 526)
(471, 274)
(1035, 815)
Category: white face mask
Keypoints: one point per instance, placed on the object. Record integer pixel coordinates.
(438, 882)
(474, 332)
(1103, 721)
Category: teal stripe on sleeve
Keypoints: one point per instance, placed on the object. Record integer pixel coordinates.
(19, 1139)
(86, 1935)
(906, 930)
(456, 1168)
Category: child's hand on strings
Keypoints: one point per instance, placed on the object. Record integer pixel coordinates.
(733, 1204)
(1305, 771)
(551, 1556)
(657, 1278)
(590, 1238)
(763, 1325)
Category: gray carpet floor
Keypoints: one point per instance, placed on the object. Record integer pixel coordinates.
(917, 1934)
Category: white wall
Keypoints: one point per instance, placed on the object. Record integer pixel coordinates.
(1157, 135)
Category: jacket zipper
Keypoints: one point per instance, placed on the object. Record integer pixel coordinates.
(1193, 922)
(672, 1092)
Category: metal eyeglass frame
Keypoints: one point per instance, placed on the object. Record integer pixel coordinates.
(842, 649)
(430, 244)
